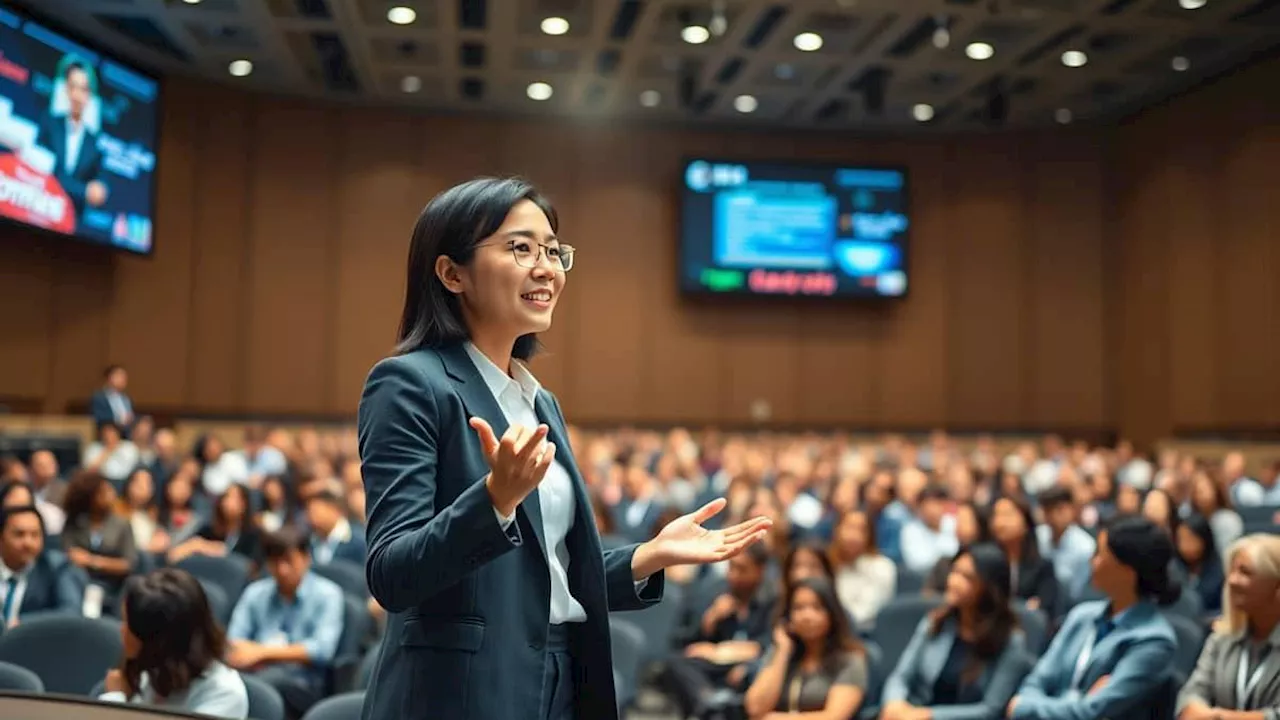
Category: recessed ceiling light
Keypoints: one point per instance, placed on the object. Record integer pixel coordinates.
(695, 34)
(1074, 58)
(1192, 4)
(191, 2)
(745, 103)
(401, 15)
(922, 112)
(538, 91)
(1180, 64)
(1062, 116)
(411, 83)
(650, 98)
(979, 51)
(240, 68)
(808, 41)
(555, 26)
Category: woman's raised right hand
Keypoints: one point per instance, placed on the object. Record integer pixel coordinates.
(517, 462)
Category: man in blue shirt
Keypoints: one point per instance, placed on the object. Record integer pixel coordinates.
(286, 628)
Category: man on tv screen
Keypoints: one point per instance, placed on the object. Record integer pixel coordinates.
(74, 144)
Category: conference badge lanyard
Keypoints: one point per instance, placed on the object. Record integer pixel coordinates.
(1246, 683)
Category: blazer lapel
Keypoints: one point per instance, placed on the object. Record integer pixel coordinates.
(935, 655)
(480, 402)
(564, 456)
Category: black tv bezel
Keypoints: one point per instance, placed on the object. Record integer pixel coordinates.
(694, 294)
(115, 56)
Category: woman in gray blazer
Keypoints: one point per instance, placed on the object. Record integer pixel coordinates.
(1238, 674)
(968, 656)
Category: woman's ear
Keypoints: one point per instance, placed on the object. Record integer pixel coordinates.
(449, 275)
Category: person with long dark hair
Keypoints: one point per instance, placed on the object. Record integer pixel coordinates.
(1111, 656)
(97, 539)
(864, 579)
(1033, 579)
(482, 545)
(816, 664)
(967, 656)
(1200, 559)
(173, 649)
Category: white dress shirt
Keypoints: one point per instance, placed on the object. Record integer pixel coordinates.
(6, 574)
(516, 396)
(75, 138)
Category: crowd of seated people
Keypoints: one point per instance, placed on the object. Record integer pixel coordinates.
(1071, 533)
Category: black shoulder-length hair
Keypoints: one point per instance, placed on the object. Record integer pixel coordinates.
(167, 611)
(996, 618)
(453, 224)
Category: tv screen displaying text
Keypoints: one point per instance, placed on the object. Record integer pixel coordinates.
(752, 228)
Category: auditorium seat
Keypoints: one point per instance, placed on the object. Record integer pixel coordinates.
(265, 702)
(346, 706)
(230, 572)
(70, 654)
(896, 623)
(16, 677)
(348, 575)
(627, 642)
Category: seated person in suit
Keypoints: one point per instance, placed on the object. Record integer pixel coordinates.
(32, 578)
(333, 537)
(1238, 674)
(285, 628)
(172, 647)
(731, 634)
(231, 530)
(968, 655)
(1111, 656)
(1013, 527)
(816, 665)
(97, 539)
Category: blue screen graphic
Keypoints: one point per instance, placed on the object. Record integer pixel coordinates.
(783, 229)
(77, 138)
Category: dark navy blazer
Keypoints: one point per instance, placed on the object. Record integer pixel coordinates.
(467, 603)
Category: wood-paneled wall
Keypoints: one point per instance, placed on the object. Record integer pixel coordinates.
(1195, 232)
(1050, 287)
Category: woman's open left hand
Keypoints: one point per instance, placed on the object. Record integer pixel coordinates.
(684, 541)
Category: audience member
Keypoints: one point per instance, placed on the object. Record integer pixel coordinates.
(931, 535)
(865, 580)
(1064, 543)
(111, 455)
(260, 458)
(138, 506)
(1032, 577)
(173, 650)
(33, 578)
(286, 627)
(1236, 677)
(96, 539)
(967, 657)
(816, 664)
(110, 404)
(278, 504)
(1209, 500)
(1201, 562)
(1111, 656)
(973, 525)
(230, 530)
(219, 469)
(332, 535)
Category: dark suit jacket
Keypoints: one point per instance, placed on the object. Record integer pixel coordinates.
(102, 412)
(1037, 579)
(917, 672)
(468, 604)
(53, 135)
(1136, 655)
(53, 585)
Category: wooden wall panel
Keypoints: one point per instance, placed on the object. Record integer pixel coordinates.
(218, 333)
(1069, 279)
(151, 299)
(292, 236)
(378, 201)
(987, 273)
(1064, 285)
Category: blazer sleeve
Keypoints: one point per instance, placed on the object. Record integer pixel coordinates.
(70, 583)
(623, 591)
(1010, 668)
(417, 547)
(897, 687)
(1047, 588)
(1043, 682)
(1142, 669)
(1199, 687)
